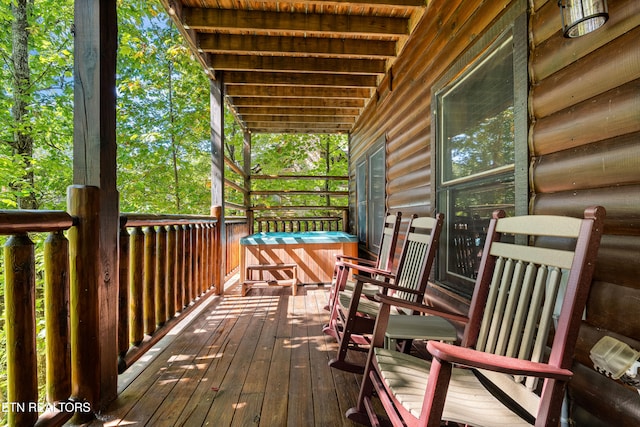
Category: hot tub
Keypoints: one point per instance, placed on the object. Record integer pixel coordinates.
(314, 252)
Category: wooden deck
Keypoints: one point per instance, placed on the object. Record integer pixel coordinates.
(258, 360)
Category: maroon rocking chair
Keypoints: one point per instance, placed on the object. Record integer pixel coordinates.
(355, 317)
(384, 261)
(501, 374)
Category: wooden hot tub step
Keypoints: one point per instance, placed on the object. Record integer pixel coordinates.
(260, 268)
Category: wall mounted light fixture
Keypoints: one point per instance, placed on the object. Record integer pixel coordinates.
(580, 17)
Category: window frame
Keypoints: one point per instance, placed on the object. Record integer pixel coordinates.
(513, 22)
(369, 216)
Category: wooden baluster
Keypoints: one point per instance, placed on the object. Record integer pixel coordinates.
(22, 380)
(160, 276)
(199, 260)
(188, 269)
(207, 257)
(180, 270)
(195, 279)
(136, 279)
(148, 287)
(56, 314)
(170, 275)
(123, 296)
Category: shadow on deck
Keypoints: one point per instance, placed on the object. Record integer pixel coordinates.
(241, 361)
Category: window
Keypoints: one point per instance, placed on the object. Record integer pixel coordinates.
(371, 195)
(480, 133)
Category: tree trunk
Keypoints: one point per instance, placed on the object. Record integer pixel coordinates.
(174, 148)
(23, 141)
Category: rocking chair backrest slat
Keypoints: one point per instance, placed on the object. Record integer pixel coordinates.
(415, 258)
(524, 289)
(388, 241)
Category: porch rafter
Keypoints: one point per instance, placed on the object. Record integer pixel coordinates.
(270, 53)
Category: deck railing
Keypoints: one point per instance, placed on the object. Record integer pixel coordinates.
(168, 263)
(22, 404)
(295, 224)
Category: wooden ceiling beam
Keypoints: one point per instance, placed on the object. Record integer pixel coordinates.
(310, 103)
(394, 3)
(244, 111)
(258, 44)
(298, 119)
(300, 79)
(270, 127)
(280, 63)
(296, 91)
(296, 22)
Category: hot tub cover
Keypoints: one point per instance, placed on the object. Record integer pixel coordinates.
(308, 237)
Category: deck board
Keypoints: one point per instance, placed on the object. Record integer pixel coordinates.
(259, 360)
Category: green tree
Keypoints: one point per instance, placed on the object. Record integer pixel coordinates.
(163, 116)
(35, 104)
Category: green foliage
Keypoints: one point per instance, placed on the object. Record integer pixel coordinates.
(300, 155)
(163, 116)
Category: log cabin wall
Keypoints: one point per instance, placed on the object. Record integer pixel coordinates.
(584, 149)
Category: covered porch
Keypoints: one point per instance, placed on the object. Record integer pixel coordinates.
(240, 361)
(144, 331)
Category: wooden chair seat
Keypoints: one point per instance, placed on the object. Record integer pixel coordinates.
(369, 290)
(468, 401)
(365, 306)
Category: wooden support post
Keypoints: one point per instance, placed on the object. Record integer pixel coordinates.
(94, 164)
(20, 285)
(56, 313)
(85, 276)
(345, 220)
(217, 173)
(246, 159)
(218, 265)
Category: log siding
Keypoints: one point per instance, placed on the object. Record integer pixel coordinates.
(584, 149)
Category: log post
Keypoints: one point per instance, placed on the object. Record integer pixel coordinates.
(160, 276)
(180, 273)
(171, 272)
(20, 284)
(85, 277)
(94, 164)
(123, 294)
(188, 270)
(56, 314)
(149, 281)
(136, 275)
(218, 264)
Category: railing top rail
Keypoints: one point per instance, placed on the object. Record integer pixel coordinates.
(298, 218)
(301, 177)
(148, 220)
(34, 221)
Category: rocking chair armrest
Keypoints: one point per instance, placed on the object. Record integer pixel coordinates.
(365, 269)
(403, 303)
(354, 260)
(508, 365)
(366, 279)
